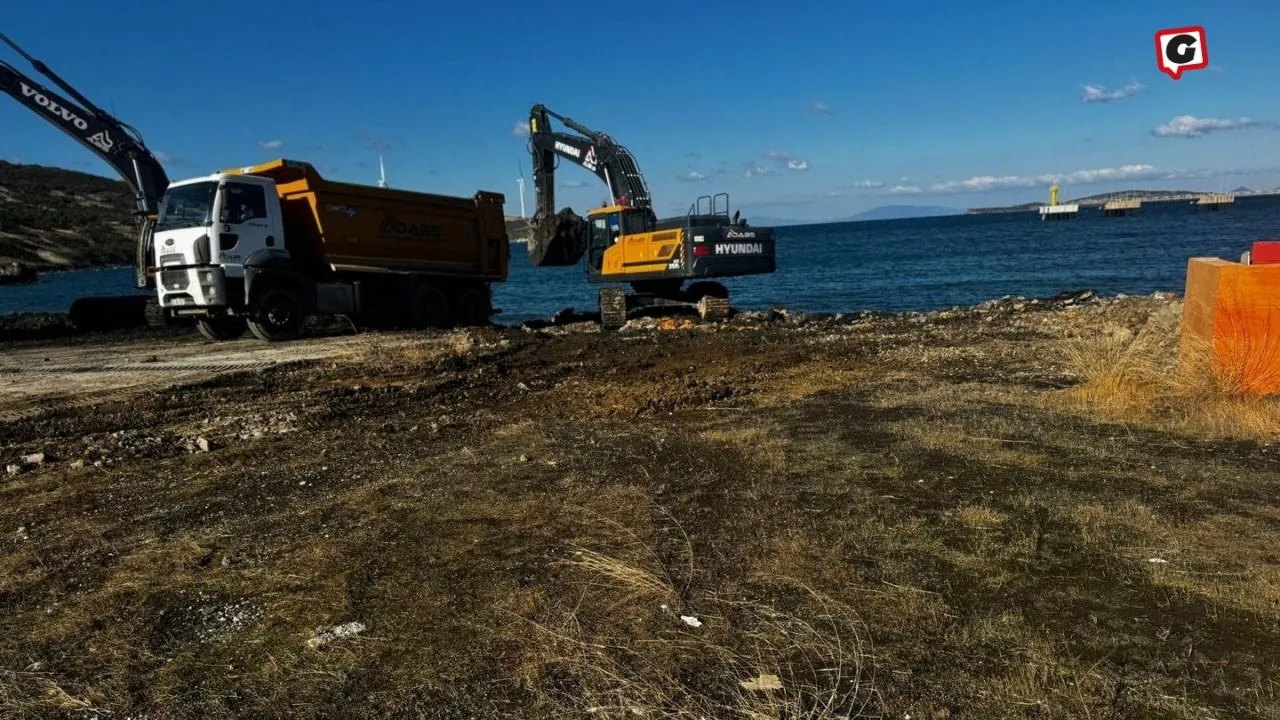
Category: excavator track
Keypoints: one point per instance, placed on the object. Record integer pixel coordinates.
(613, 308)
(713, 308)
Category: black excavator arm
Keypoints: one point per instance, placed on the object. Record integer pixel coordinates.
(560, 238)
(118, 144)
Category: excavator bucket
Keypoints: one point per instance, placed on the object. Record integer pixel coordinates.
(558, 240)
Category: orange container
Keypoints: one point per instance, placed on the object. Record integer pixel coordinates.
(1231, 316)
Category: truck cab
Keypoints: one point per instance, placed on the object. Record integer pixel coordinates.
(207, 229)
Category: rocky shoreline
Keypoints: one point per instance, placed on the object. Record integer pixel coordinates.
(44, 326)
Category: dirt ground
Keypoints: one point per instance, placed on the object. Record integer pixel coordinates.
(896, 516)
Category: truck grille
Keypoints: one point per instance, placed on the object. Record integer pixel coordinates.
(174, 279)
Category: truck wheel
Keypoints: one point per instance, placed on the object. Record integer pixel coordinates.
(155, 315)
(431, 308)
(276, 316)
(472, 308)
(219, 329)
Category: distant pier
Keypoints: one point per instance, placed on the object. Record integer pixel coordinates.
(1055, 211)
(1121, 207)
(1215, 201)
(1059, 212)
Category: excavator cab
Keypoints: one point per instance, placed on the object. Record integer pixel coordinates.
(607, 225)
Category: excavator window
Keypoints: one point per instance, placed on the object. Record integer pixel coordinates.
(635, 222)
(600, 240)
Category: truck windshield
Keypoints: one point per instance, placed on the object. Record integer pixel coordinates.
(187, 206)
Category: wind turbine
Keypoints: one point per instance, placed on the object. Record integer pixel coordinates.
(382, 174)
(520, 180)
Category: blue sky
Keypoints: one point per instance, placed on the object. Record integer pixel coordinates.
(800, 109)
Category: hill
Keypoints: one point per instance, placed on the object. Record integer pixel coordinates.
(52, 218)
(518, 229)
(899, 212)
(1103, 198)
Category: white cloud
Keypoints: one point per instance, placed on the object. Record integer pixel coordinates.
(989, 183)
(867, 185)
(271, 144)
(693, 176)
(755, 169)
(170, 160)
(821, 107)
(1189, 126)
(521, 128)
(1099, 94)
(788, 161)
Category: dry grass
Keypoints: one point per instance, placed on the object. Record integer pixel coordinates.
(397, 353)
(1147, 378)
(806, 380)
(636, 642)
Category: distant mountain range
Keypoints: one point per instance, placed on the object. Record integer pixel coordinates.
(899, 212)
(1104, 198)
(884, 212)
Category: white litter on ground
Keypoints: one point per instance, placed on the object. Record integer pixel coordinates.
(337, 632)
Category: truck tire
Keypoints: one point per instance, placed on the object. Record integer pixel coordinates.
(277, 316)
(431, 308)
(155, 315)
(472, 308)
(219, 329)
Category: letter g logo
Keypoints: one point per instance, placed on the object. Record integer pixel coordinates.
(1181, 49)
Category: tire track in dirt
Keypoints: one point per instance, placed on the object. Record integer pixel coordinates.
(39, 380)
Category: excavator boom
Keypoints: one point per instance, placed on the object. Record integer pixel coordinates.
(115, 142)
(560, 238)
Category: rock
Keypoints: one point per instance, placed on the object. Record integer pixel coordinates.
(203, 444)
(13, 469)
(77, 464)
(36, 458)
(640, 323)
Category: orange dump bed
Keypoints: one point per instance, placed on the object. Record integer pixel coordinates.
(367, 228)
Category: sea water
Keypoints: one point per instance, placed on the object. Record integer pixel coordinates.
(887, 265)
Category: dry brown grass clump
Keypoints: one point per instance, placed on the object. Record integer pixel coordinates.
(637, 642)
(1148, 378)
